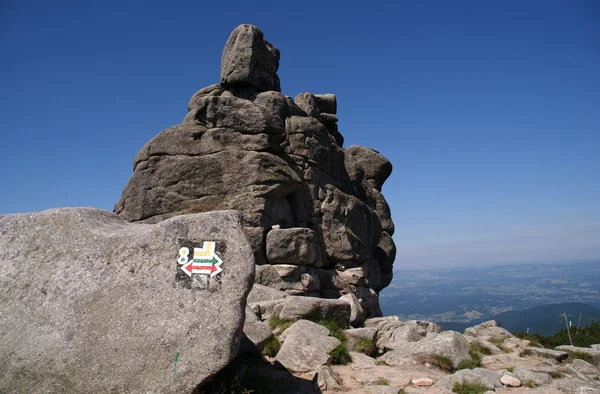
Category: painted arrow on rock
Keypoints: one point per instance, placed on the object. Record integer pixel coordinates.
(205, 260)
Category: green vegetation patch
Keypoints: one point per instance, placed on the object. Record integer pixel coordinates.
(381, 362)
(529, 383)
(466, 364)
(382, 382)
(584, 337)
(335, 329)
(477, 347)
(476, 351)
(340, 355)
(499, 343)
(580, 355)
(270, 347)
(283, 324)
(469, 388)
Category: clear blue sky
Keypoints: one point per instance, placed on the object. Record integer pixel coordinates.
(488, 110)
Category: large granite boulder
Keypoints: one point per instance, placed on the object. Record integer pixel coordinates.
(92, 303)
(311, 210)
(307, 308)
(488, 330)
(449, 344)
(593, 353)
(306, 346)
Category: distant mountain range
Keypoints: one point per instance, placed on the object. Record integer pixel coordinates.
(545, 319)
(517, 295)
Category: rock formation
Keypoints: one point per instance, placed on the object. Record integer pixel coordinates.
(312, 210)
(93, 304)
(389, 355)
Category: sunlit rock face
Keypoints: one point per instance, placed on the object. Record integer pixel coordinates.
(311, 209)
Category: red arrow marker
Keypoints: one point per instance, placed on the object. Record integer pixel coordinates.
(200, 268)
(187, 268)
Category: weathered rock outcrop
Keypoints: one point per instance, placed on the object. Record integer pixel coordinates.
(428, 361)
(593, 353)
(92, 303)
(449, 344)
(311, 209)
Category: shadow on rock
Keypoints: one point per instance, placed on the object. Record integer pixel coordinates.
(250, 373)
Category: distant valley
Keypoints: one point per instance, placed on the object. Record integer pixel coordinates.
(461, 297)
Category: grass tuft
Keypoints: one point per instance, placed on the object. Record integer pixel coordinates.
(340, 355)
(580, 355)
(479, 348)
(529, 383)
(469, 388)
(381, 362)
(476, 351)
(335, 329)
(283, 324)
(499, 343)
(466, 364)
(382, 382)
(270, 347)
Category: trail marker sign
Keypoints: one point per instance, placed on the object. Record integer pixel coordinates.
(204, 260)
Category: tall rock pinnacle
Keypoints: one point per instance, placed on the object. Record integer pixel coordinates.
(312, 210)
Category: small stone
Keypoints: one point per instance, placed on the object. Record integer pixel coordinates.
(510, 381)
(421, 382)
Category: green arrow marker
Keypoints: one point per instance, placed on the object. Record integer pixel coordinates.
(175, 366)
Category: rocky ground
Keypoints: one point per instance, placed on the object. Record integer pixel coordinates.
(418, 357)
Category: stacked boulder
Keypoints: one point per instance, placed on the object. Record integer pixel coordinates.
(312, 210)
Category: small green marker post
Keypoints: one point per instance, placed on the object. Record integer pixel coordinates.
(175, 366)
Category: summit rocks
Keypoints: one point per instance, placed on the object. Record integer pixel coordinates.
(250, 59)
(311, 210)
